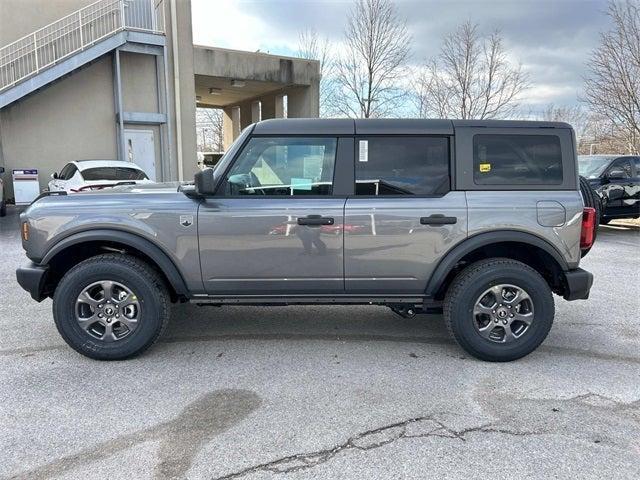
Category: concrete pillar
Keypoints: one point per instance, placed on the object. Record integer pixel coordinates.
(245, 115)
(303, 102)
(279, 106)
(230, 126)
(255, 111)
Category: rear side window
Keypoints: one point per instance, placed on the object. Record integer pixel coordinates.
(402, 166)
(517, 160)
(113, 173)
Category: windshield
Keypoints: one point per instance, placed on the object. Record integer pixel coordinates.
(113, 174)
(592, 166)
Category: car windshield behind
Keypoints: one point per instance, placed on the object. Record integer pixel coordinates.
(113, 174)
(591, 166)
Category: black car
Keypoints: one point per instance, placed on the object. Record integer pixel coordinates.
(616, 179)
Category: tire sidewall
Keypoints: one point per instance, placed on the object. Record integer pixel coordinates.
(462, 321)
(76, 280)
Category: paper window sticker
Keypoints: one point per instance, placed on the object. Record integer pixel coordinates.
(301, 183)
(485, 167)
(364, 151)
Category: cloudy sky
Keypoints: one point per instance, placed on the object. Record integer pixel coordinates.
(551, 38)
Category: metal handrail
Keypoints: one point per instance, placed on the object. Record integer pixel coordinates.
(75, 32)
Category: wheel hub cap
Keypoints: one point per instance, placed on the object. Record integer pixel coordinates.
(503, 313)
(108, 311)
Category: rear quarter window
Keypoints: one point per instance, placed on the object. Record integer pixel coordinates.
(517, 160)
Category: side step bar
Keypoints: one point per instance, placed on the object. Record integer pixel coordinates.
(419, 301)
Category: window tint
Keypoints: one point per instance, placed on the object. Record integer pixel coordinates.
(402, 166)
(624, 165)
(517, 160)
(283, 166)
(636, 160)
(113, 174)
(68, 172)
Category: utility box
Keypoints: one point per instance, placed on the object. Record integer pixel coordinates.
(26, 186)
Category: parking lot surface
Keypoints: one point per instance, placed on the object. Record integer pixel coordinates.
(326, 392)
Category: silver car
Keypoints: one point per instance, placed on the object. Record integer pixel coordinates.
(480, 220)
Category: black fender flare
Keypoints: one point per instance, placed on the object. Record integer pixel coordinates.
(481, 240)
(155, 253)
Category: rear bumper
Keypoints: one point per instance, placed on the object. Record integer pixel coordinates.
(31, 277)
(577, 284)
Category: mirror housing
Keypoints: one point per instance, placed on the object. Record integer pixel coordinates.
(616, 174)
(1, 170)
(54, 175)
(204, 182)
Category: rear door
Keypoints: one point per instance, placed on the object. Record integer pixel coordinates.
(620, 190)
(276, 225)
(403, 216)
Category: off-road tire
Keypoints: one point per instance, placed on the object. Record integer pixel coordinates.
(471, 282)
(590, 198)
(3, 208)
(140, 278)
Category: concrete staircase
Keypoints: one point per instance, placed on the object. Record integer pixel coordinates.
(51, 52)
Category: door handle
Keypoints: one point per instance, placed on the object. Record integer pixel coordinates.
(315, 220)
(438, 219)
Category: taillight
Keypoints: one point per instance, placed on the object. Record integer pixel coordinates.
(588, 228)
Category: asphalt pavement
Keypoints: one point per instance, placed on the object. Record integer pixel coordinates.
(326, 392)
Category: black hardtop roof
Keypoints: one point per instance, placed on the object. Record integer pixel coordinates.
(376, 126)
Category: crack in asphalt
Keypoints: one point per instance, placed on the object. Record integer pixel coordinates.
(429, 425)
(434, 426)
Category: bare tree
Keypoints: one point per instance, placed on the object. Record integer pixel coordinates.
(311, 46)
(612, 84)
(470, 78)
(583, 123)
(371, 68)
(209, 130)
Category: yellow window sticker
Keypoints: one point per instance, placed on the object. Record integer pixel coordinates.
(485, 167)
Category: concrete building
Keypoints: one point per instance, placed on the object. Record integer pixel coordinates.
(120, 79)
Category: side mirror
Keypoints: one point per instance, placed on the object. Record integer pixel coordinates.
(616, 174)
(205, 182)
(1, 170)
(54, 175)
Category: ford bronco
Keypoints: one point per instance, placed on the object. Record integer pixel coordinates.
(480, 220)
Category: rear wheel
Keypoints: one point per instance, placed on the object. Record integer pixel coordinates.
(111, 307)
(499, 309)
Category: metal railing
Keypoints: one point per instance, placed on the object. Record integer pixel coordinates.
(71, 34)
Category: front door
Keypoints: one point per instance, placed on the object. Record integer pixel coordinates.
(140, 149)
(403, 218)
(275, 226)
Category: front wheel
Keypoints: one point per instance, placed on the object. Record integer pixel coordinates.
(111, 307)
(499, 309)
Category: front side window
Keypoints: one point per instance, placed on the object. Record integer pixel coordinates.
(622, 165)
(402, 166)
(113, 174)
(517, 160)
(283, 166)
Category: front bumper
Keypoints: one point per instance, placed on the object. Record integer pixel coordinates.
(577, 284)
(32, 277)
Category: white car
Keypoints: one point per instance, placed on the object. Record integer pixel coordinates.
(3, 205)
(85, 175)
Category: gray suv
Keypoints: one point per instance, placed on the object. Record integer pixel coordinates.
(479, 220)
